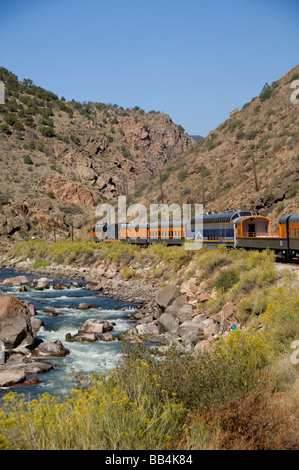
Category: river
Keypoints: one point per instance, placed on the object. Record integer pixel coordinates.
(84, 357)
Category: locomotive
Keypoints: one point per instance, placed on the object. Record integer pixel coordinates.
(231, 228)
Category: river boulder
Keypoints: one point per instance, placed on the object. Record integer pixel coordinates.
(15, 281)
(107, 337)
(95, 326)
(84, 306)
(49, 349)
(11, 375)
(80, 338)
(15, 326)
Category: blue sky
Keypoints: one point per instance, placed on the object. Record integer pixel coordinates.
(195, 60)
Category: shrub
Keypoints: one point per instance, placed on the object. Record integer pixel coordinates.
(252, 135)
(5, 129)
(10, 119)
(182, 175)
(226, 280)
(18, 126)
(292, 191)
(266, 92)
(28, 160)
(46, 131)
(3, 199)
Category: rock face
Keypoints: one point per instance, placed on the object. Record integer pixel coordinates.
(15, 326)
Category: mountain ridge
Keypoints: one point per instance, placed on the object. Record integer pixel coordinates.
(59, 159)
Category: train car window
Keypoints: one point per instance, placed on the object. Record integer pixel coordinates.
(298, 233)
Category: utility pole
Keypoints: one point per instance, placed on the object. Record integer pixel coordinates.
(254, 172)
(72, 231)
(203, 191)
(125, 187)
(161, 187)
(54, 233)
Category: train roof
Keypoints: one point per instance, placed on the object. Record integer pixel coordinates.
(226, 216)
(294, 218)
(238, 221)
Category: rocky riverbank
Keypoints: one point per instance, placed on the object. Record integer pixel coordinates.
(168, 314)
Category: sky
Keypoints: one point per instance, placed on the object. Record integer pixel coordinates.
(195, 60)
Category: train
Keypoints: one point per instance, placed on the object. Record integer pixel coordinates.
(234, 229)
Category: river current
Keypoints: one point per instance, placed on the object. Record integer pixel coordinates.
(98, 356)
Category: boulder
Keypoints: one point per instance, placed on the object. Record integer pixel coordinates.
(226, 312)
(177, 305)
(84, 306)
(80, 338)
(37, 367)
(211, 330)
(49, 310)
(110, 273)
(101, 269)
(41, 285)
(191, 332)
(95, 326)
(130, 335)
(204, 297)
(166, 322)
(49, 349)
(15, 326)
(95, 287)
(36, 323)
(202, 346)
(148, 329)
(11, 375)
(107, 337)
(15, 281)
(167, 295)
(31, 310)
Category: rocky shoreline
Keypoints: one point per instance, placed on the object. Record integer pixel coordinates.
(167, 314)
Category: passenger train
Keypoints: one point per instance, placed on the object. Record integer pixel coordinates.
(232, 228)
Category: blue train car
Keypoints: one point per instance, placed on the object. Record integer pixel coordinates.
(217, 229)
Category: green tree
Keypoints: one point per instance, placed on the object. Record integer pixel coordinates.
(18, 126)
(47, 131)
(28, 160)
(4, 128)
